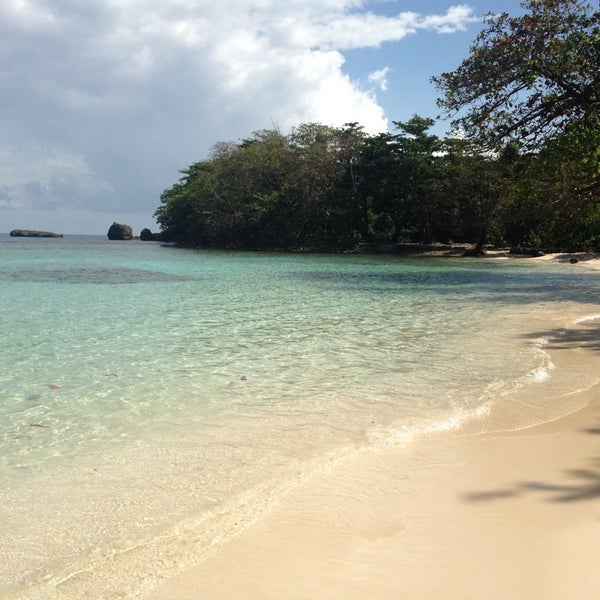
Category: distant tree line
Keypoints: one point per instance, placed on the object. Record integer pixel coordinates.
(524, 171)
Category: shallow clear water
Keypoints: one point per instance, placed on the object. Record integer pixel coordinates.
(155, 400)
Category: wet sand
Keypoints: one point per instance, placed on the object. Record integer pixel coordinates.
(478, 513)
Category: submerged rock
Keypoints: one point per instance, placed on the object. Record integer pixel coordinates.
(119, 231)
(33, 233)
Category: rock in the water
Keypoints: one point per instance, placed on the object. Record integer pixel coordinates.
(32, 233)
(119, 231)
(147, 236)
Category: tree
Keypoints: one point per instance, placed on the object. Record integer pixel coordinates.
(189, 213)
(257, 177)
(530, 77)
(418, 161)
(534, 81)
(316, 178)
(378, 184)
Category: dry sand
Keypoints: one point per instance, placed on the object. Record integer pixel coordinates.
(459, 515)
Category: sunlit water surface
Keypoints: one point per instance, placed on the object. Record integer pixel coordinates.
(154, 401)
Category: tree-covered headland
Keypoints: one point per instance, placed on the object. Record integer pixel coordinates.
(522, 169)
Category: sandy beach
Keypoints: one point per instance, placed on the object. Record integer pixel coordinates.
(491, 510)
(512, 515)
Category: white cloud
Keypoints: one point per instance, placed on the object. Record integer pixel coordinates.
(379, 78)
(455, 19)
(103, 102)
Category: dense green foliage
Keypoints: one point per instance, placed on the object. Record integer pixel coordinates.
(526, 170)
(531, 77)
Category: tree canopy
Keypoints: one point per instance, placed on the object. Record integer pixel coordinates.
(530, 77)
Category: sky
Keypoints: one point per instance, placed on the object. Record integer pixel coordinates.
(103, 102)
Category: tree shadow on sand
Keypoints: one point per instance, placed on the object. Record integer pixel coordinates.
(579, 484)
(586, 336)
(586, 486)
(583, 484)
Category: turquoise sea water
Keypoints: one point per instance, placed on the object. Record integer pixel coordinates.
(154, 401)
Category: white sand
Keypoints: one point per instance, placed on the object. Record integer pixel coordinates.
(514, 515)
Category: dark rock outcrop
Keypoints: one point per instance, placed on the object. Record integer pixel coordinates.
(33, 233)
(119, 231)
(147, 236)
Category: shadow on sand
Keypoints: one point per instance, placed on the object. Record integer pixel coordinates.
(584, 484)
(585, 336)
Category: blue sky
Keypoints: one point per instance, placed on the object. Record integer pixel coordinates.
(103, 102)
(412, 61)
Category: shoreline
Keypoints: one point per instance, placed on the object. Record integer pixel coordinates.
(489, 510)
(306, 429)
(483, 516)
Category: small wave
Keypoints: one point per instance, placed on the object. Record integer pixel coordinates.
(409, 433)
(587, 318)
(541, 342)
(540, 374)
